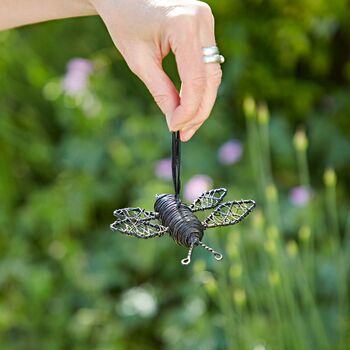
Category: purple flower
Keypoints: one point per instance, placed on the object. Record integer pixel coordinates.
(78, 72)
(300, 196)
(230, 152)
(163, 169)
(196, 186)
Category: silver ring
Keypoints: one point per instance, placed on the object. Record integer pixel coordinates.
(214, 59)
(211, 54)
(210, 50)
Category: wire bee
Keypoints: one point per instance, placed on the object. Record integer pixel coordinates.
(179, 220)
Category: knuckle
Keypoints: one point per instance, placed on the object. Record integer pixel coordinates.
(183, 18)
(189, 16)
(188, 23)
(191, 110)
(135, 67)
(201, 120)
(198, 83)
(202, 117)
(216, 77)
(161, 99)
(204, 12)
(196, 123)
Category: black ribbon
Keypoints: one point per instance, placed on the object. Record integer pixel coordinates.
(175, 162)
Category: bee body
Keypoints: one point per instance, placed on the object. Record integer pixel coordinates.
(184, 226)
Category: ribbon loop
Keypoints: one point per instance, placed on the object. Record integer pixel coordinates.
(175, 162)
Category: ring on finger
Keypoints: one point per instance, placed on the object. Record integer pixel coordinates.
(214, 59)
(210, 50)
(211, 54)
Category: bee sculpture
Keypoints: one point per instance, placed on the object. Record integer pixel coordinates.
(179, 221)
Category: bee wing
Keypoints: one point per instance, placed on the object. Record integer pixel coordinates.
(135, 222)
(134, 214)
(229, 213)
(138, 228)
(208, 200)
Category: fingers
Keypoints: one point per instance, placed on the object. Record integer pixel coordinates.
(151, 72)
(186, 30)
(200, 81)
(209, 97)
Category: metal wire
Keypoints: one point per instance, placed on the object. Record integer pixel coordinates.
(187, 260)
(184, 226)
(217, 255)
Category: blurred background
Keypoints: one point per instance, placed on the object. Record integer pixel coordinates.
(80, 136)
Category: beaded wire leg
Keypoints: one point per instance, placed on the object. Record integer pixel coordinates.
(217, 256)
(187, 260)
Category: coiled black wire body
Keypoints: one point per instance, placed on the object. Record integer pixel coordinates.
(184, 226)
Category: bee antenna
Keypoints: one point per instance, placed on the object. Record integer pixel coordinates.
(217, 256)
(187, 260)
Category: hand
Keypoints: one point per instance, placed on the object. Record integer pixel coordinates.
(145, 31)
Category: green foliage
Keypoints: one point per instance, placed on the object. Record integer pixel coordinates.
(68, 160)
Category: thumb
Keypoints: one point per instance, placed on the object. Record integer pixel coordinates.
(159, 84)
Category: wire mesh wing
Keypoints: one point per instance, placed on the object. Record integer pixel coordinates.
(135, 222)
(135, 214)
(138, 228)
(229, 213)
(208, 200)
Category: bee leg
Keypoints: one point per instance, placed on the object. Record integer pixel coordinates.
(217, 256)
(187, 260)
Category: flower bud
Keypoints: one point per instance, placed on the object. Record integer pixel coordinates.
(272, 232)
(304, 233)
(258, 219)
(209, 283)
(270, 247)
(292, 248)
(199, 266)
(249, 107)
(300, 141)
(330, 177)
(271, 193)
(239, 297)
(236, 271)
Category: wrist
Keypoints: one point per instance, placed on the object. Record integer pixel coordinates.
(23, 12)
